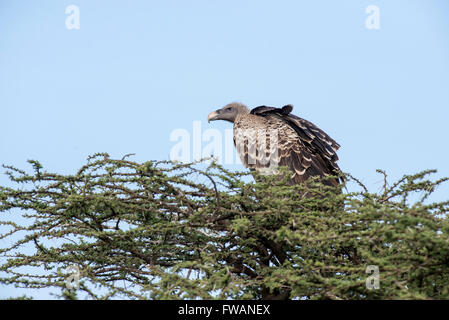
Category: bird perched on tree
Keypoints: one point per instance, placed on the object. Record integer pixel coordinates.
(267, 137)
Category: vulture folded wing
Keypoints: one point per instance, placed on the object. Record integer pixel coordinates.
(301, 146)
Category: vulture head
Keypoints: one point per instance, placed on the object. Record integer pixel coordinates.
(229, 112)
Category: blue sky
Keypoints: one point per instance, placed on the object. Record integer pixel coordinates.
(137, 70)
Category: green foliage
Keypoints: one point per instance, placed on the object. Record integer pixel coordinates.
(163, 230)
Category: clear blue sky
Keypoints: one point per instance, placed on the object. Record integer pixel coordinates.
(137, 70)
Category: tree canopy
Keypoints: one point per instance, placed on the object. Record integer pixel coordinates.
(165, 230)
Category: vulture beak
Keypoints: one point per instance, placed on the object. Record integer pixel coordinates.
(213, 116)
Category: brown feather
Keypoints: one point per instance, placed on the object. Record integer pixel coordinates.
(301, 146)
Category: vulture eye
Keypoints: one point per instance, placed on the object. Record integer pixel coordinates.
(228, 109)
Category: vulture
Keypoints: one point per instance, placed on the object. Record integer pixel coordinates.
(267, 137)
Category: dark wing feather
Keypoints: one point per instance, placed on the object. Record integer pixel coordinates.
(264, 110)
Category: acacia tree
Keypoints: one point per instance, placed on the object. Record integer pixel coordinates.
(164, 230)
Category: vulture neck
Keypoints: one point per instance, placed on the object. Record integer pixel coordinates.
(241, 116)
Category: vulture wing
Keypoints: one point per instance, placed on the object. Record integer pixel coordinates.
(302, 146)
